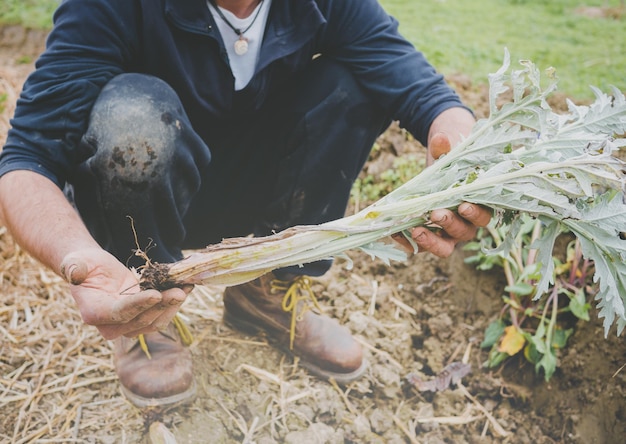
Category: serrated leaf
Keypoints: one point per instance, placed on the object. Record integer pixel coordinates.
(384, 252)
(545, 246)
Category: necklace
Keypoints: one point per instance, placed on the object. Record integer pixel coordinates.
(241, 44)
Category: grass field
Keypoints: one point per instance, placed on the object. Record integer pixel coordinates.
(469, 36)
(30, 13)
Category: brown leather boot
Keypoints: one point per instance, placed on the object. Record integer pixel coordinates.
(282, 309)
(162, 377)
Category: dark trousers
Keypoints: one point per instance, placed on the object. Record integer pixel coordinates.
(291, 163)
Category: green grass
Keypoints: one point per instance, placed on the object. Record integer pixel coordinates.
(29, 13)
(469, 36)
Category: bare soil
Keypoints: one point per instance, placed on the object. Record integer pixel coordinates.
(57, 383)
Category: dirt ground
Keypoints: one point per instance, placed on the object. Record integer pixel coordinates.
(57, 383)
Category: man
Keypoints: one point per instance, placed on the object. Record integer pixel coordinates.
(200, 121)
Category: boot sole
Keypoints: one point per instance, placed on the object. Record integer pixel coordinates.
(169, 401)
(340, 378)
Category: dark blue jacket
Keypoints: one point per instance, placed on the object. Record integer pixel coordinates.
(178, 41)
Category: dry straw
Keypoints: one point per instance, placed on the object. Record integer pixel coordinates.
(56, 375)
(52, 368)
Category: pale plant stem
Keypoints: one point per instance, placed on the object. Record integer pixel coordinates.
(337, 236)
(555, 309)
(523, 159)
(532, 253)
(508, 272)
(516, 254)
(506, 266)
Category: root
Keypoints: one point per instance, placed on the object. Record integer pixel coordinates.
(156, 276)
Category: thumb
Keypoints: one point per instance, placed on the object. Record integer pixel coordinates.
(439, 145)
(74, 270)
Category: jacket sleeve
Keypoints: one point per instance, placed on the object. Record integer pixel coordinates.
(362, 35)
(91, 42)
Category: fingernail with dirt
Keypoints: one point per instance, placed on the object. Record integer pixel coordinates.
(466, 210)
(439, 219)
(419, 238)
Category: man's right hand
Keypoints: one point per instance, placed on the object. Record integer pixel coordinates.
(108, 295)
(106, 292)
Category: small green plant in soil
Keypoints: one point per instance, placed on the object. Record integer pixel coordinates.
(536, 328)
(370, 188)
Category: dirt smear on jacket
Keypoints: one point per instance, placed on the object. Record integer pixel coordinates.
(417, 320)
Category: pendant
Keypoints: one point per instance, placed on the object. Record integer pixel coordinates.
(241, 45)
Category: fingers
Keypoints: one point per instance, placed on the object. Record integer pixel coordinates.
(156, 319)
(164, 319)
(462, 225)
(142, 312)
(455, 227)
(403, 242)
(477, 215)
(172, 300)
(74, 271)
(439, 145)
(106, 293)
(115, 331)
(112, 309)
(427, 240)
(188, 288)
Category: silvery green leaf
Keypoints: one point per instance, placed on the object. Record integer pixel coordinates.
(349, 262)
(610, 277)
(505, 247)
(497, 81)
(384, 252)
(545, 249)
(523, 159)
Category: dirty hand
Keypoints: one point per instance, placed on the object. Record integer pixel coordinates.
(455, 227)
(108, 295)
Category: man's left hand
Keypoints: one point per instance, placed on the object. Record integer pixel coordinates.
(453, 227)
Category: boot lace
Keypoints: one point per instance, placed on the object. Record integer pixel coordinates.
(182, 329)
(299, 297)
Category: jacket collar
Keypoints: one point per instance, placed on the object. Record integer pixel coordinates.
(292, 23)
(190, 15)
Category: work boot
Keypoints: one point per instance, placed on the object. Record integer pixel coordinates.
(283, 310)
(156, 374)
